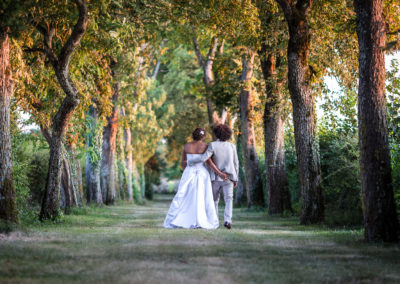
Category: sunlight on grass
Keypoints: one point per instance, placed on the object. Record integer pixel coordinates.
(126, 243)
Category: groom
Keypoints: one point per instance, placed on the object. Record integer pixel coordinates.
(225, 157)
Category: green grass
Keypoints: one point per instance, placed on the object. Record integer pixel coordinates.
(126, 244)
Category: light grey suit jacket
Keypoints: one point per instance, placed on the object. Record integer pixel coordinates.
(224, 156)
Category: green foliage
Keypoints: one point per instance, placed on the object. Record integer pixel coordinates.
(94, 138)
(137, 195)
(37, 175)
(174, 171)
(12, 16)
(30, 161)
(393, 117)
(152, 175)
(243, 200)
(291, 168)
(183, 88)
(340, 177)
(395, 155)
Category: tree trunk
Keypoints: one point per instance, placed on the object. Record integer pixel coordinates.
(129, 161)
(240, 191)
(276, 181)
(380, 217)
(122, 172)
(71, 194)
(142, 180)
(76, 175)
(60, 63)
(93, 142)
(299, 76)
(67, 191)
(255, 195)
(109, 147)
(8, 207)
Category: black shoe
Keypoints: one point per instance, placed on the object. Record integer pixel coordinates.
(228, 225)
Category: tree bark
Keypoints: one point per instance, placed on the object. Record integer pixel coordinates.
(122, 172)
(129, 161)
(8, 207)
(254, 191)
(71, 179)
(109, 147)
(93, 155)
(299, 75)
(76, 174)
(274, 120)
(60, 63)
(67, 191)
(380, 216)
(240, 191)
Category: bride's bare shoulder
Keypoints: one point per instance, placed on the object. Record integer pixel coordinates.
(203, 147)
(188, 146)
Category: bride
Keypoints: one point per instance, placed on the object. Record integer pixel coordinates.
(193, 205)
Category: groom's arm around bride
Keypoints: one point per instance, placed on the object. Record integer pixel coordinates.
(222, 153)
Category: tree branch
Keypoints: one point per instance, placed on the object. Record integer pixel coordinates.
(286, 6)
(221, 47)
(76, 35)
(33, 49)
(393, 32)
(46, 133)
(213, 49)
(198, 52)
(48, 34)
(304, 5)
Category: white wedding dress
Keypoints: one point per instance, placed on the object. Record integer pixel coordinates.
(193, 205)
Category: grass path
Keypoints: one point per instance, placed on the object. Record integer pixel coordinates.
(126, 244)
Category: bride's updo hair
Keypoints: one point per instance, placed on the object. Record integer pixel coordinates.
(198, 134)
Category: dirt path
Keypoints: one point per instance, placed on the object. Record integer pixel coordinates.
(126, 244)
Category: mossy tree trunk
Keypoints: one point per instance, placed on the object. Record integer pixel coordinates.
(121, 165)
(254, 191)
(93, 159)
(129, 161)
(380, 217)
(240, 191)
(299, 81)
(8, 207)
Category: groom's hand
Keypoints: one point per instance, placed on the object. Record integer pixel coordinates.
(234, 184)
(224, 176)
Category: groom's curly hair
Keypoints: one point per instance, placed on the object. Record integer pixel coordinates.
(222, 132)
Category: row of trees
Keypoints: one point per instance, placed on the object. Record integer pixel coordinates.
(112, 90)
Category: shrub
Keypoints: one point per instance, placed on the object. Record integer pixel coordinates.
(341, 177)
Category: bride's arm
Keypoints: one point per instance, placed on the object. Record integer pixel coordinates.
(184, 161)
(211, 164)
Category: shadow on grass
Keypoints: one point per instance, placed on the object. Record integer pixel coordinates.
(126, 243)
